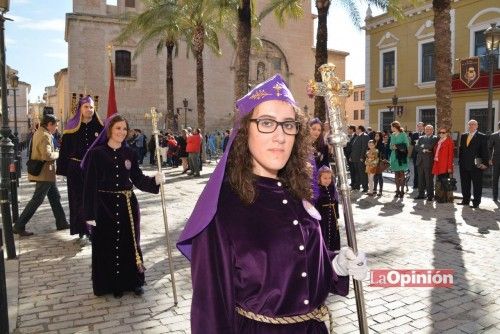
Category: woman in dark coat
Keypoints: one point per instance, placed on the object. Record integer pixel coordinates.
(182, 142)
(111, 172)
(79, 134)
(254, 241)
(443, 166)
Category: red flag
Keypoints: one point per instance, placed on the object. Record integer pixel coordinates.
(112, 109)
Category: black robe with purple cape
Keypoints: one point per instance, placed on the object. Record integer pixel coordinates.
(73, 147)
(109, 170)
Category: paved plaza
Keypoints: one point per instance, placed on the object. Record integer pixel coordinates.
(50, 288)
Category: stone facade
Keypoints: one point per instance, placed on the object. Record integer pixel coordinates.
(355, 107)
(21, 106)
(93, 25)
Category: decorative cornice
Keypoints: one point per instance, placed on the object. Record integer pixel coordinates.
(384, 19)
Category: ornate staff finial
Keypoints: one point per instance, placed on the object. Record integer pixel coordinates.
(154, 116)
(332, 89)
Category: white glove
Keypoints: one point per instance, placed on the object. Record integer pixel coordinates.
(91, 222)
(159, 178)
(347, 263)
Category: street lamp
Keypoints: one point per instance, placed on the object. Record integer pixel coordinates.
(397, 109)
(6, 146)
(14, 83)
(186, 109)
(6, 155)
(492, 37)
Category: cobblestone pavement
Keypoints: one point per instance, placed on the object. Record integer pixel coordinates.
(55, 290)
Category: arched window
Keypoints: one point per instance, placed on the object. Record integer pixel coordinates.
(123, 65)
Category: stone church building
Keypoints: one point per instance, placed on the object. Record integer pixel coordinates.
(140, 82)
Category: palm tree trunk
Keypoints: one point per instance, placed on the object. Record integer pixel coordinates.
(200, 91)
(321, 54)
(169, 118)
(244, 35)
(442, 67)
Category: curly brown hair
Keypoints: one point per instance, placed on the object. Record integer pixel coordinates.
(296, 175)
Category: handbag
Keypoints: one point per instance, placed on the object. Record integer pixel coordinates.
(382, 166)
(34, 166)
(449, 184)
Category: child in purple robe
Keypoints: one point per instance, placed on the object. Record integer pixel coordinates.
(328, 206)
(253, 239)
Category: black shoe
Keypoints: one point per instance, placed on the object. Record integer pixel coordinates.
(396, 195)
(463, 203)
(118, 294)
(63, 227)
(21, 233)
(475, 206)
(495, 199)
(401, 194)
(365, 190)
(430, 198)
(139, 291)
(419, 197)
(379, 194)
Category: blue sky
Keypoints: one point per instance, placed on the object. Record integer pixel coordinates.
(35, 43)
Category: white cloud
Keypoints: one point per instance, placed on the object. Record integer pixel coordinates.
(57, 55)
(27, 23)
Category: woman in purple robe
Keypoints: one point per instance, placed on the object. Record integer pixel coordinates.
(79, 133)
(111, 172)
(254, 241)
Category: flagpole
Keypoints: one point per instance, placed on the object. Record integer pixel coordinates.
(154, 120)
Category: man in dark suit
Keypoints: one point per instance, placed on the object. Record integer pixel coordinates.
(425, 158)
(359, 146)
(351, 133)
(414, 137)
(472, 160)
(494, 148)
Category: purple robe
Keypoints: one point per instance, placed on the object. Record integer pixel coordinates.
(73, 148)
(327, 205)
(267, 257)
(113, 255)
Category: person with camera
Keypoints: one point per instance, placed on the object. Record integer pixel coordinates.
(443, 167)
(472, 160)
(42, 149)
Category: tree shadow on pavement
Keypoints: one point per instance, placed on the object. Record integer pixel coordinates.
(459, 307)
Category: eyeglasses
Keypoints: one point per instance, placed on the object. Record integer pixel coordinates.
(265, 125)
(442, 133)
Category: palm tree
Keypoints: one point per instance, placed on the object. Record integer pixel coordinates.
(442, 64)
(202, 22)
(321, 57)
(245, 12)
(158, 23)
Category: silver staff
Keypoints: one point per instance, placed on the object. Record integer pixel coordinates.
(332, 89)
(154, 120)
